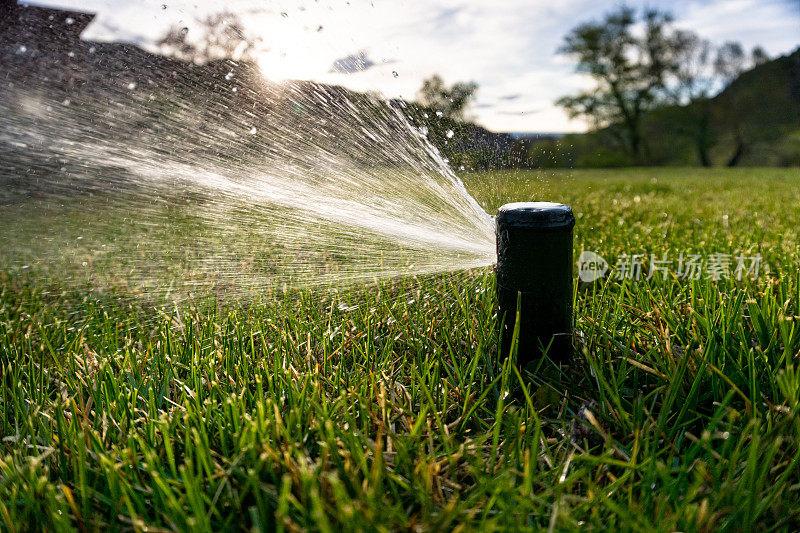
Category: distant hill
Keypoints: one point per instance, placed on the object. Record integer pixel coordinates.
(754, 121)
(757, 117)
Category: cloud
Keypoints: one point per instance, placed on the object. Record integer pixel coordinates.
(773, 24)
(352, 63)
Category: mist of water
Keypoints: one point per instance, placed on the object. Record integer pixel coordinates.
(226, 183)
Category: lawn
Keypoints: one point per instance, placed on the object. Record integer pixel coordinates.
(386, 407)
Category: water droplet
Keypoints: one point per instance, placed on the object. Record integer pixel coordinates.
(229, 75)
(69, 21)
(92, 49)
(317, 125)
(23, 49)
(71, 54)
(184, 30)
(395, 74)
(450, 134)
(439, 114)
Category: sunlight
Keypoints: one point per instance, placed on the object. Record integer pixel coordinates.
(281, 66)
(291, 51)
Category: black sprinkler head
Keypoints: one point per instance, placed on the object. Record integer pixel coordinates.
(534, 265)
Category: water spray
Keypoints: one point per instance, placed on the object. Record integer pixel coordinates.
(534, 277)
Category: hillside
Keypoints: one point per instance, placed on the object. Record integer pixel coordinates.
(758, 115)
(754, 121)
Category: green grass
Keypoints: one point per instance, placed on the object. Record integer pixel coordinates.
(387, 408)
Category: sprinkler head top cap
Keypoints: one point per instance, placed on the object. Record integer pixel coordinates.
(544, 215)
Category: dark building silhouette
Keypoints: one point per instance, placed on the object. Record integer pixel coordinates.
(42, 45)
(41, 50)
(42, 24)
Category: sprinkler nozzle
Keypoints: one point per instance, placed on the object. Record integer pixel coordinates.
(534, 267)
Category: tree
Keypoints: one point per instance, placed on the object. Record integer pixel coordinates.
(758, 56)
(691, 85)
(452, 102)
(693, 77)
(629, 70)
(730, 62)
(220, 36)
(699, 72)
(702, 70)
(174, 43)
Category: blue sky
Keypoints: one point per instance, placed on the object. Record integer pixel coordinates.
(507, 46)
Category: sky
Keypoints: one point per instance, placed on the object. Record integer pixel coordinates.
(508, 47)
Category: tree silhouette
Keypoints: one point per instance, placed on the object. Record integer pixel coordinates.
(758, 56)
(692, 84)
(219, 36)
(731, 61)
(630, 70)
(452, 102)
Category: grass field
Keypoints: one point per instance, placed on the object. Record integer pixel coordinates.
(387, 408)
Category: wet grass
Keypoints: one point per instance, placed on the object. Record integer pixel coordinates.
(386, 407)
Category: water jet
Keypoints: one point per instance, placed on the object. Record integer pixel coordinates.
(534, 280)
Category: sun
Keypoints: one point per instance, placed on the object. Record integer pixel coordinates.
(291, 53)
(284, 66)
